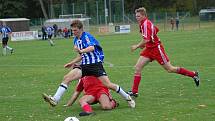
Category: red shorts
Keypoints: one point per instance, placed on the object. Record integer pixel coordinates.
(97, 94)
(156, 53)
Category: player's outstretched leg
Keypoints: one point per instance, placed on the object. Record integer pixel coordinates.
(56, 98)
(127, 97)
(182, 71)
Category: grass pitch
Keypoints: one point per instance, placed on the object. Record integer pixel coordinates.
(36, 67)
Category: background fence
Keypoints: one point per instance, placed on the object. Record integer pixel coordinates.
(116, 14)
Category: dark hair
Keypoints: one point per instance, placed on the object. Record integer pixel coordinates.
(77, 23)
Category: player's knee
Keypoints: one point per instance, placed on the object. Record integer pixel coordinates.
(81, 101)
(108, 84)
(66, 79)
(170, 70)
(138, 69)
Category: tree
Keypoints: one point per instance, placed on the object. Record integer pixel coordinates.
(11, 8)
(43, 9)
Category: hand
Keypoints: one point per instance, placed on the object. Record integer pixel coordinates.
(141, 47)
(133, 48)
(68, 65)
(67, 105)
(76, 49)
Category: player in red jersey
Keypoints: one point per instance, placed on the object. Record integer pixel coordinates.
(94, 91)
(153, 50)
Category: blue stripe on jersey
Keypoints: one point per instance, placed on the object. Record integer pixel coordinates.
(5, 31)
(85, 41)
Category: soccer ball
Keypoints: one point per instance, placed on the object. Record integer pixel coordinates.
(71, 119)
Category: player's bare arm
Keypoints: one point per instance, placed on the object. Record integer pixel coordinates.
(72, 63)
(73, 98)
(141, 45)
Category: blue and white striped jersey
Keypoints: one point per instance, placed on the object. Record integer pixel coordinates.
(50, 30)
(85, 41)
(5, 31)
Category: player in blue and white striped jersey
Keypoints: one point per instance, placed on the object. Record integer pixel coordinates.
(50, 32)
(90, 54)
(5, 32)
(85, 41)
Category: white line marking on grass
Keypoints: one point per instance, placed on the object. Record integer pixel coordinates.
(5, 97)
(109, 65)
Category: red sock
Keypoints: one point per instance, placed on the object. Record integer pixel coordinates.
(137, 78)
(186, 72)
(87, 108)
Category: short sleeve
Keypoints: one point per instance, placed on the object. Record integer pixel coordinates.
(90, 40)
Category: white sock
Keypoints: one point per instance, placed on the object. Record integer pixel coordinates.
(9, 48)
(4, 51)
(122, 92)
(60, 91)
(51, 42)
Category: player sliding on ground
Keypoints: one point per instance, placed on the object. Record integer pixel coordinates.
(94, 92)
(153, 50)
(90, 54)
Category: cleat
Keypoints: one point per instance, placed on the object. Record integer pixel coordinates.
(132, 94)
(131, 102)
(49, 99)
(12, 51)
(52, 44)
(86, 113)
(196, 78)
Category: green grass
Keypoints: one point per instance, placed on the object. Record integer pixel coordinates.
(37, 67)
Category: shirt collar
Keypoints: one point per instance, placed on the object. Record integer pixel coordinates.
(83, 33)
(142, 21)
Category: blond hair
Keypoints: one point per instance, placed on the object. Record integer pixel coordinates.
(141, 10)
(77, 23)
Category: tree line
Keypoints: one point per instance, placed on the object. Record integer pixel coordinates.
(33, 9)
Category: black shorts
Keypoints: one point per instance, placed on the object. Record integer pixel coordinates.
(5, 40)
(77, 66)
(95, 69)
(50, 36)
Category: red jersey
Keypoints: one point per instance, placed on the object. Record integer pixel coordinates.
(90, 84)
(149, 33)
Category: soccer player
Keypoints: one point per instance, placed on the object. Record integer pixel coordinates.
(90, 54)
(55, 30)
(94, 92)
(50, 31)
(5, 32)
(44, 34)
(153, 50)
(172, 22)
